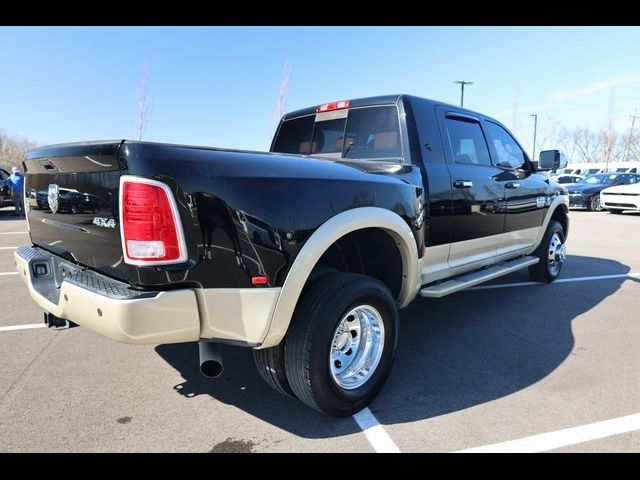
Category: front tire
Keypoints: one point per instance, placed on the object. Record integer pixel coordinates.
(615, 211)
(341, 343)
(594, 204)
(551, 254)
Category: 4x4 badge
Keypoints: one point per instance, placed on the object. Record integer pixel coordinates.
(104, 222)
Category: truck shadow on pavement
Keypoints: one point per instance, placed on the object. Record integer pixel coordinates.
(453, 353)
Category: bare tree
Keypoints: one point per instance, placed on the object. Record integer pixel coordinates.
(143, 104)
(634, 147)
(3, 140)
(609, 135)
(548, 133)
(13, 150)
(631, 144)
(279, 109)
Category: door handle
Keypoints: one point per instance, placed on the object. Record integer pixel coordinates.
(463, 184)
(512, 185)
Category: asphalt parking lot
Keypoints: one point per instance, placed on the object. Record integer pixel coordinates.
(473, 369)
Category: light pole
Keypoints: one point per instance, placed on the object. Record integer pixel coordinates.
(462, 84)
(535, 130)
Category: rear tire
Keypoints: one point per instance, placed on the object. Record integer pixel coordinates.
(270, 365)
(615, 211)
(270, 361)
(549, 264)
(345, 317)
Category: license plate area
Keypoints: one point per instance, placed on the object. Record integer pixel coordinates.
(47, 275)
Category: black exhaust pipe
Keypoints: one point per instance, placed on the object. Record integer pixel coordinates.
(210, 359)
(57, 323)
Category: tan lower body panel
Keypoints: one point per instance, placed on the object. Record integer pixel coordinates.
(170, 317)
(435, 263)
(241, 314)
(470, 252)
(518, 240)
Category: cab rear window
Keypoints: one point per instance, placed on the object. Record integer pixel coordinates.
(367, 133)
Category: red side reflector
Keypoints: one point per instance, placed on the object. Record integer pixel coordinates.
(259, 280)
(149, 223)
(327, 107)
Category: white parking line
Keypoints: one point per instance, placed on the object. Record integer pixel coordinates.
(8, 248)
(22, 327)
(563, 438)
(8, 273)
(560, 280)
(377, 436)
(13, 233)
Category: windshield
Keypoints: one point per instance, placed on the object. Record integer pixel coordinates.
(368, 133)
(600, 179)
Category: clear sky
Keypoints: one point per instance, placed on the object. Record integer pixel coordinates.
(218, 86)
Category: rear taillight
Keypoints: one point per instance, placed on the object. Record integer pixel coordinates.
(327, 107)
(149, 223)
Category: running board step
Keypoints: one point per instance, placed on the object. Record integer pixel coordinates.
(474, 278)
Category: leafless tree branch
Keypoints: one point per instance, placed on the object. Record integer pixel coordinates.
(13, 150)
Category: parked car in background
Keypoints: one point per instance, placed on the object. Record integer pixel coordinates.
(5, 192)
(69, 200)
(564, 179)
(627, 170)
(622, 197)
(585, 172)
(563, 171)
(586, 193)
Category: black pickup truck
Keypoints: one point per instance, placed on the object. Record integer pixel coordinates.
(303, 254)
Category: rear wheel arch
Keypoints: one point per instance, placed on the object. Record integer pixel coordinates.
(334, 230)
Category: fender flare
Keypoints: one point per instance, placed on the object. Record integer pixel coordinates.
(557, 202)
(327, 234)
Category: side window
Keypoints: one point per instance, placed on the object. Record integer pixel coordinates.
(3, 175)
(628, 179)
(467, 142)
(509, 153)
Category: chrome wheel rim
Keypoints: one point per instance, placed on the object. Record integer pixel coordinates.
(595, 203)
(356, 347)
(557, 254)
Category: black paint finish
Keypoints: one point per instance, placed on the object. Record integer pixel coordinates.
(249, 213)
(244, 213)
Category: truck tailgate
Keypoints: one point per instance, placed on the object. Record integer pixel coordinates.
(71, 195)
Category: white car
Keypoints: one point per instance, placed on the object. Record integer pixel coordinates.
(621, 197)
